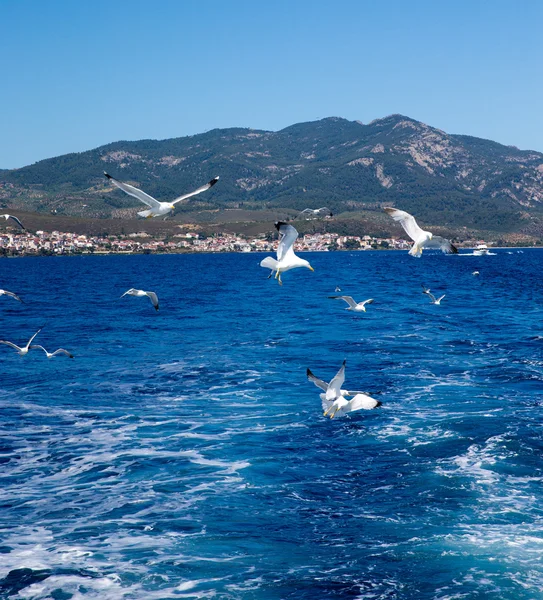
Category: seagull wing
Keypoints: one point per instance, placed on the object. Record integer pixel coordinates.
(361, 402)
(349, 299)
(12, 295)
(34, 346)
(431, 296)
(10, 344)
(154, 299)
(441, 298)
(198, 191)
(288, 236)
(334, 387)
(136, 192)
(370, 301)
(425, 290)
(16, 220)
(30, 340)
(440, 242)
(128, 292)
(318, 382)
(62, 351)
(407, 221)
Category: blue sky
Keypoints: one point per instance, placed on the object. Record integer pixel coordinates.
(79, 74)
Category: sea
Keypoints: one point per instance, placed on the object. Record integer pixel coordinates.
(184, 454)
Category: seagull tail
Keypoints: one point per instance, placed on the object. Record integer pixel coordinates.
(145, 213)
(269, 263)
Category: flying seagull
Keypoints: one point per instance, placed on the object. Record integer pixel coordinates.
(356, 306)
(422, 239)
(286, 259)
(338, 289)
(475, 273)
(433, 298)
(156, 208)
(51, 354)
(15, 219)
(6, 293)
(333, 399)
(24, 349)
(315, 212)
(151, 295)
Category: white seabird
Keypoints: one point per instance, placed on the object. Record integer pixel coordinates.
(333, 399)
(475, 273)
(151, 295)
(286, 259)
(51, 354)
(422, 239)
(15, 219)
(433, 298)
(156, 208)
(22, 350)
(356, 306)
(6, 293)
(315, 212)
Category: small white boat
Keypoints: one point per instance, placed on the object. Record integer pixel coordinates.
(481, 249)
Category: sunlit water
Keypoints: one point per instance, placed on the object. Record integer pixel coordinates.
(183, 454)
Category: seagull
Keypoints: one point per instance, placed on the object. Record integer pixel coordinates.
(422, 239)
(356, 306)
(433, 298)
(15, 219)
(315, 212)
(334, 401)
(475, 273)
(6, 293)
(152, 296)
(156, 208)
(51, 354)
(22, 350)
(338, 289)
(286, 259)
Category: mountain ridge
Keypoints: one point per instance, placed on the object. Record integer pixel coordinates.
(455, 179)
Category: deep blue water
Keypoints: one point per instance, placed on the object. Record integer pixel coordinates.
(183, 454)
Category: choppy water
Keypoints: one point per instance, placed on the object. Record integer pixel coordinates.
(183, 454)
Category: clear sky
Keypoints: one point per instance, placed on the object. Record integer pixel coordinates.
(76, 74)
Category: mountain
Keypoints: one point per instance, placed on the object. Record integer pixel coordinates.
(351, 167)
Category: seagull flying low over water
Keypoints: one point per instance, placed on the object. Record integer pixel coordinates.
(333, 399)
(356, 306)
(15, 219)
(433, 298)
(51, 354)
(422, 239)
(24, 349)
(6, 293)
(286, 259)
(156, 208)
(475, 273)
(151, 295)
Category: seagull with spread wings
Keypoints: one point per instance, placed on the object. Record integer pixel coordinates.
(22, 350)
(14, 219)
(156, 208)
(434, 300)
(333, 399)
(51, 354)
(286, 259)
(315, 212)
(422, 239)
(356, 306)
(151, 295)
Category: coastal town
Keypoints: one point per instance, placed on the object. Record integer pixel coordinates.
(22, 243)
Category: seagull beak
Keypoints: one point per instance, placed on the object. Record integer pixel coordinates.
(311, 268)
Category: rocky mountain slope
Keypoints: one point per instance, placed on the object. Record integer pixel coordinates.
(454, 180)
